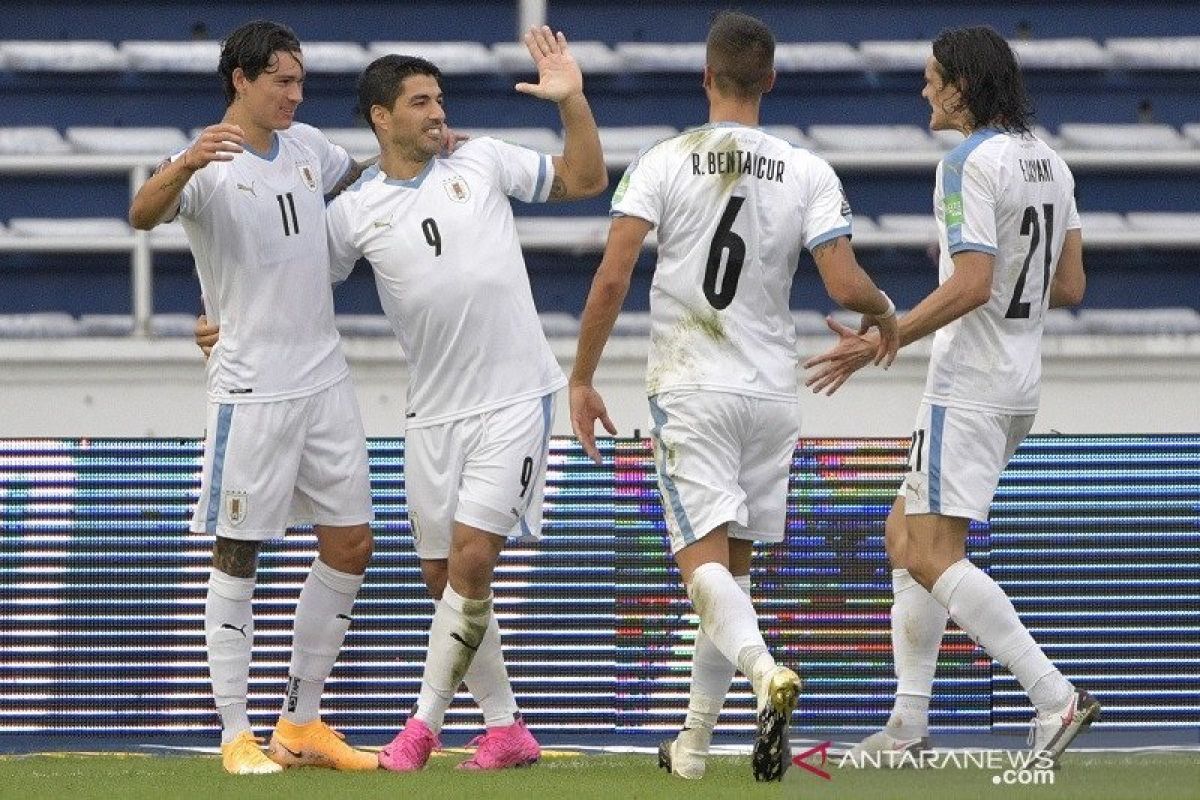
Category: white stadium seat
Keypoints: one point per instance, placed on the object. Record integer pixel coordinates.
(1164, 221)
(363, 325)
(1076, 53)
(349, 57)
(1192, 132)
(105, 325)
(127, 141)
(888, 56)
(863, 225)
(1140, 320)
(818, 57)
(1164, 52)
(810, 323)
(543, 140)
(567, 234)
(452, 58)
(32, 140)
(41, 325)
(183, 56)
(558, 324)
(359, 142)
(871, 138)
(62, 56)
(181, 326)
(72, 226)
(1121, 137)
(1061, 321)
(790, 134)
(632, 323)
(917, 224)
(593, 57)
(622, 144)
(662, 56)
(1102, 222)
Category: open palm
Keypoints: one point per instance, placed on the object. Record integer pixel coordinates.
(559, 76)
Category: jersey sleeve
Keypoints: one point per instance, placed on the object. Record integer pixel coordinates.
(640, 192)
(827, 213)
(332, 159)
(520, 172)
(968, 207)
(196, 191)
(343, 250)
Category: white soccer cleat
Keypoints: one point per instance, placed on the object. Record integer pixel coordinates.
(885, 750)
(1052, 733)
(685, 754)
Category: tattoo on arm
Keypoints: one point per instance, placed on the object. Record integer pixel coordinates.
(830, 246)
(558, 188)
(235, 557)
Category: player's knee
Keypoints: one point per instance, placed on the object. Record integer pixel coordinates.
(349, 550)
(895, 541)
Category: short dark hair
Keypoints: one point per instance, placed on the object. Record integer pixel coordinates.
(740, 53)
(251, 47)
(981, 64)
(383, 81)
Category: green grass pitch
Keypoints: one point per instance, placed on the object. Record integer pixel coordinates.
(1082, 775)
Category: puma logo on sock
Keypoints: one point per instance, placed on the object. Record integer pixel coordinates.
(463, 642)
(241, 630)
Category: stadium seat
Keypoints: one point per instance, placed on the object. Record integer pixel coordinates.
(71, 226)
(810, 323)
(1075, 53)
(912, 224)
(169, 236)
(360, 143)
(1102, 222)
(662, 56)
(818, 57)
(175, 326)
(105, 325)
(189, 56)
(1061, 322)
(1192, 132)
(127, 141)
(871, 138)
(62, 56)
(363, 325)
(1164, 221)
(568, 234)
(1140, 320)
(1121, 137)
(863, 224)
(543, 140)
(347, 57)
(632, 323)
(622, 144)
(1164, 52)
(452, 58)
(45, 325)
(895, 56)
(789, 133)
(32, 140)
(559, 324)
(593, 57)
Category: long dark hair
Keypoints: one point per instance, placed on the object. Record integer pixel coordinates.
(982, 65)
(251, 47)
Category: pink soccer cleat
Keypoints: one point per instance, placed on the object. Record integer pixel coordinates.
(504, 747)
(409, 751)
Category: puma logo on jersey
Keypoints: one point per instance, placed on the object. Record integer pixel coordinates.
(381, 223)
(249, 188)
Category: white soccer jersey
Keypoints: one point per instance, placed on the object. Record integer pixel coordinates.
(733, 206)
(256, 225)
(451, 276)
(1014, 198)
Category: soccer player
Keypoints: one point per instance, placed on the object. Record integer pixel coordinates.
(733, 207)
(1010, 248)
(440, 236)
(284, 441)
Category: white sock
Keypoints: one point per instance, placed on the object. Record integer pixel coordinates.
(728, 618)
(487, 678)
(980, 607)
(229, 635)
(322, 619)
(712, 675)
(918, 623)
(456, 633)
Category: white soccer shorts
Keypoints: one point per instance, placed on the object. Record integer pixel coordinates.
(723, 457)
(956, 457)
(487, 471)
(289, 462)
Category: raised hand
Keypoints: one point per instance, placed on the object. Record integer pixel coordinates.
(218, 142)
(835, 366)
(559, 76)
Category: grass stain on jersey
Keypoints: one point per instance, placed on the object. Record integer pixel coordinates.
(676, 356)
(707, 323)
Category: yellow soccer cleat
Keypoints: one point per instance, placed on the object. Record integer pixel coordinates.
(772, 753)
(315, 744)
(243, 756)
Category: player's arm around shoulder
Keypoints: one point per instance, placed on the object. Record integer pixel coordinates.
(579, 171)
(158, 198)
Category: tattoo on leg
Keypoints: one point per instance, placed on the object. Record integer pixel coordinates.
(235, 557)
(558, 188)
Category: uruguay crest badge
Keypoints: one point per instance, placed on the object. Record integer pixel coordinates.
(457, 189)
(310, 177)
